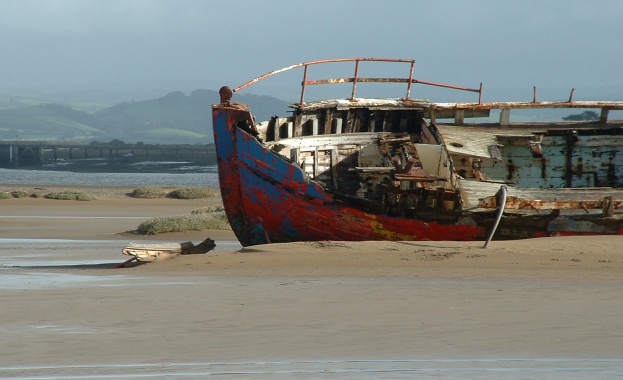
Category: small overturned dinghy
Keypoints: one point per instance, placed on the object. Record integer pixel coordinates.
(148, 252)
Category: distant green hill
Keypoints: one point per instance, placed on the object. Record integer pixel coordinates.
(173, 118)
(46, 122)
(9, 102)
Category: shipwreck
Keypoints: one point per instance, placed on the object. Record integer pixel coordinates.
(409, 169)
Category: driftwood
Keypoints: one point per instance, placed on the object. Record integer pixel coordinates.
(147, 252)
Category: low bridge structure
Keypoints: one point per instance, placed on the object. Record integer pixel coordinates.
(32, 153)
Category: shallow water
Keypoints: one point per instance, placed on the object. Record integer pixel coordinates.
(339, 369)
(27, 263)
(179, 175)
(40, 265)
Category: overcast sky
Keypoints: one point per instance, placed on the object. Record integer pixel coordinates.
(179, 44)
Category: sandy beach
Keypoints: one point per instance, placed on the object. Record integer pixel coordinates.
(540, 308)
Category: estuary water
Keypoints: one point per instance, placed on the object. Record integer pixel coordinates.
(139, 174)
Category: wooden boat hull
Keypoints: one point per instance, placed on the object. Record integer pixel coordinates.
(374, 169)
(268, 199)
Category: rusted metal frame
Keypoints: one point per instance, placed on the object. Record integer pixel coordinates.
(318, 62)
(410, 80)
(350, 80)
(534, 94)
(460, 88)
(355, 79)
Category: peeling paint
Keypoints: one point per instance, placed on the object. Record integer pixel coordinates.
(384, 169)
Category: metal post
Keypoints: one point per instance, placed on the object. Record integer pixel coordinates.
(303, 86)
(355, 79)
(410, 79)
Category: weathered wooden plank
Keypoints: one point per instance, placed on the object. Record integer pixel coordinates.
(328, 121)
(298, 125)
(505, 116)
(290, 130)
(603, 116)
(334, 162)
(147, 252)
(387, 122)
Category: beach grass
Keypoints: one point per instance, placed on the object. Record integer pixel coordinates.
(209, 210)
(14, 194)
(182, 193)
(148, 193)
(181, 223)
(193, 193)
(71, 196)
(20, 194)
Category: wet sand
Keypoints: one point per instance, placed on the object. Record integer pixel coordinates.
(548, 308)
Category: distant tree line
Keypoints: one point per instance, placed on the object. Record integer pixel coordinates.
(584, 116)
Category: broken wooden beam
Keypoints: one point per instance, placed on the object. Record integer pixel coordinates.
(147, 252)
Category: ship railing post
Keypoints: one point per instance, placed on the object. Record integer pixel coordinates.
(410, 79)
(480, 94)
(355, 77)
(303, 85)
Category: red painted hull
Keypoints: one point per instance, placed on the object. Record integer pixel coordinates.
(268, 199)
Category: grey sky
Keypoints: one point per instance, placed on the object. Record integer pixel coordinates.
(180, 44)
